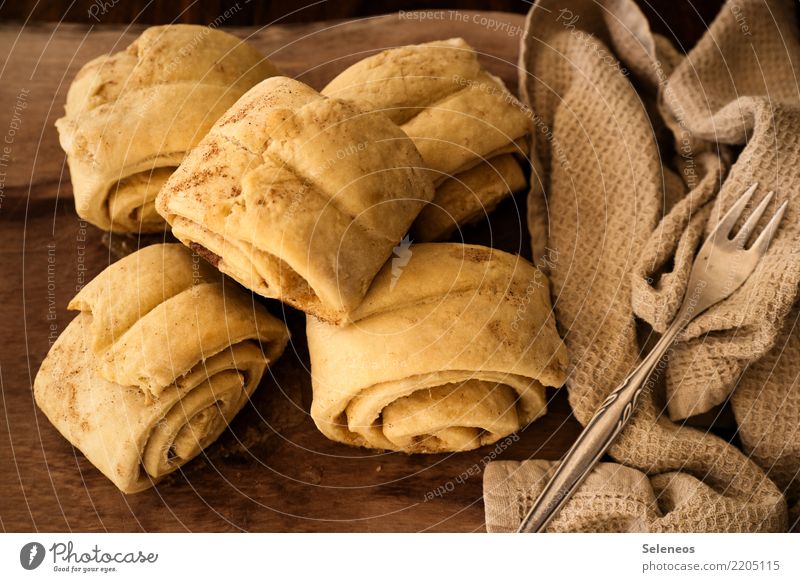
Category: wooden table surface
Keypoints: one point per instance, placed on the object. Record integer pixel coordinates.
(272, 471)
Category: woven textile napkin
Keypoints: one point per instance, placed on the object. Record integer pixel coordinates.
(638, 150)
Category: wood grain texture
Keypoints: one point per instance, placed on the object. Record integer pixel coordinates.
(683, 22)
(272, 471)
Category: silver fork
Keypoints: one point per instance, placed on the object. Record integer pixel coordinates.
(720, 267)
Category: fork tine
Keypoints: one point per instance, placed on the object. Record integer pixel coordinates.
(725, 225)
(762, 242)
(747, 228)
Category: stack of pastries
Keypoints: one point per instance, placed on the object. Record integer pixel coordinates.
(305, 197)
(470, 131)
(132, 116)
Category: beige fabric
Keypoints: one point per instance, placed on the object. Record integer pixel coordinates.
(623, 223)
(160, 359)
(766, 404)
(458, 115)
(297, 196)
(450, 350)
(131, 117)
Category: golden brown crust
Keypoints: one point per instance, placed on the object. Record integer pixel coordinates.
(458, 115)
(450, 350)
(468, 197)
(160, 359)
(134, 114)
(301, 197)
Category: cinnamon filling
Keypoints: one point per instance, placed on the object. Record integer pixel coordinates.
(212, 258)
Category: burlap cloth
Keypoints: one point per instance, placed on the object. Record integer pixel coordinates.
(636, 147)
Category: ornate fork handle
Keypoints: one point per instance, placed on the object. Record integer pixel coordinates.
(721, 266)
(598, 435)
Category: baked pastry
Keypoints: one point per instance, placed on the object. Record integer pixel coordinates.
(160, 359)
(298, 197)
(131, 117)
(459, 117)
(468, 196)
(450, 350)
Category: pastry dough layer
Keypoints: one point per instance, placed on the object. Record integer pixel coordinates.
(450, 350)
(458, 115)
(160, 359)
(298, 197)
(468, 196)
(131, 117)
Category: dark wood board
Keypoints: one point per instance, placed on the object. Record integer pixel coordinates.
(272, 470)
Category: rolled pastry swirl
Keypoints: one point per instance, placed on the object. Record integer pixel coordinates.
(450, 350)
(460, 117)
(160, 359)
(131, 117)
(298, 197)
